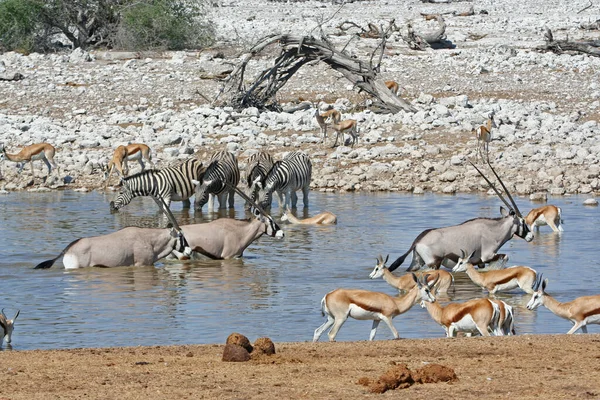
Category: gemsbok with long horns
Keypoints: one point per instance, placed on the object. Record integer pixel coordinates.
(406, 282)
(226, 238)
(498, 280)
(582, 311)
(340, 304)
(546, 215)
(131, 246)
(474, 316)
(31, 153)
(481, 237)
(7, 325)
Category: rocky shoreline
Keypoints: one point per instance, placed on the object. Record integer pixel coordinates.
(546, 105)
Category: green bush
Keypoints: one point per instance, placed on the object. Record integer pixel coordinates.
(19, 23)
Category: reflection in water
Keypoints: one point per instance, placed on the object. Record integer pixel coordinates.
(204, 301)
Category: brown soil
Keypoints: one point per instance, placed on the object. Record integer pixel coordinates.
(518, 367)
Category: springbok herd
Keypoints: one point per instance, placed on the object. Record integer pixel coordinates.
(460, 248)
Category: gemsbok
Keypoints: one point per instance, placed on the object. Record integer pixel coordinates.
(34, 152)
(581, 311)
(474, 316)
(406, 282)
(346, 126)
(340, 304)
(324, 218)
(481, 237)
(483, 134)
(498, 280)
(122, 154)
(226, 238)
(7, 325)
(131, 246)
(546, 215)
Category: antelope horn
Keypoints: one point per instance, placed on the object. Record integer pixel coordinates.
(247, 198)
(506, 190)
(162, 205)
(492, 186)
(538, 280)
(4, 315)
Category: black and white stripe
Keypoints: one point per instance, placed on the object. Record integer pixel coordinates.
(172, 183)
(222, 168)
(293, 173)
(259, 165)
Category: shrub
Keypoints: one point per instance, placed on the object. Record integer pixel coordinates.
(19, 22)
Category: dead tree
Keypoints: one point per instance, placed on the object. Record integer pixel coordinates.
(436, 39)
(591, 47)
(295, 52)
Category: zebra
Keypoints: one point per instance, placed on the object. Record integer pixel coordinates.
(172, 183)
(287, 176)
(222, 167)
(259, 165)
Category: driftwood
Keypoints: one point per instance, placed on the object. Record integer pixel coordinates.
(297, 51)
(591, 47)
(468, 13)
(592, 26)
(436, 39)
(372, 33)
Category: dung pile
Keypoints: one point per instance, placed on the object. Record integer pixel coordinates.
(239, 349)
(401, 377)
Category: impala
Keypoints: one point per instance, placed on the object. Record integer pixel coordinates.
(546, 215)
(483, 134)
(324, 218)
(340, 304)
(406, 282)
(474, 316)
(498, 280)
(7, 325)
(122, 154)
(346, 126)
(128, 246)
(393, 87)
(481, 237)
(581, 311)
(38, 151)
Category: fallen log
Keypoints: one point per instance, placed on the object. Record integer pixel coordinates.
(591, 47)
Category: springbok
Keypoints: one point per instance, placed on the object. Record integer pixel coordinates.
(506, 320)
(122, 154)
(34, 152)
(7, 325)
(481, 237)
(406, 282)
(129, 246)
(581, 311)
(326, 118)
(324, 218)
(226, 238)
(546, 215)
(474, 316)
(483, 134)
(393, 87)
(340, 304)
(346, 126)
(498, 280)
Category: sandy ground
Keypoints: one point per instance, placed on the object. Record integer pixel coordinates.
(523, 367)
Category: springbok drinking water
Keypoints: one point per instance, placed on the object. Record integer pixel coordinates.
(7, 325)
(546, 215)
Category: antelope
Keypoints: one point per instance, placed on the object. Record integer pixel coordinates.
(226, 238)
(474, 316)
(546, 215)
(393, 87)
(346, 126)
(483, 134)
(405, 282)
(340, 304)
(129, 246)
(324, 218)
(498, 280)
(122, 154)
(34, 152)
(506, 320)
(481, 237)
(7, 325)
(581, 311)
(323, 119)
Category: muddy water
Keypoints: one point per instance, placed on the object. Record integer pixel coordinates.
(275, 290)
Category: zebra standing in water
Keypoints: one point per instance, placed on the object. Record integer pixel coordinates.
(259, 165)
(172, 183)
(287, 176)
(222, 167)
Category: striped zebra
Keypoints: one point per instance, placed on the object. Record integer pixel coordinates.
(287, 176)
(222, 167)
(259, 165)
(172, 183)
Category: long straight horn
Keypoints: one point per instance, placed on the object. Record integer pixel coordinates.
(506, 191)
(492, 186)
(165, 208)
(248, 199)
(4, 315)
